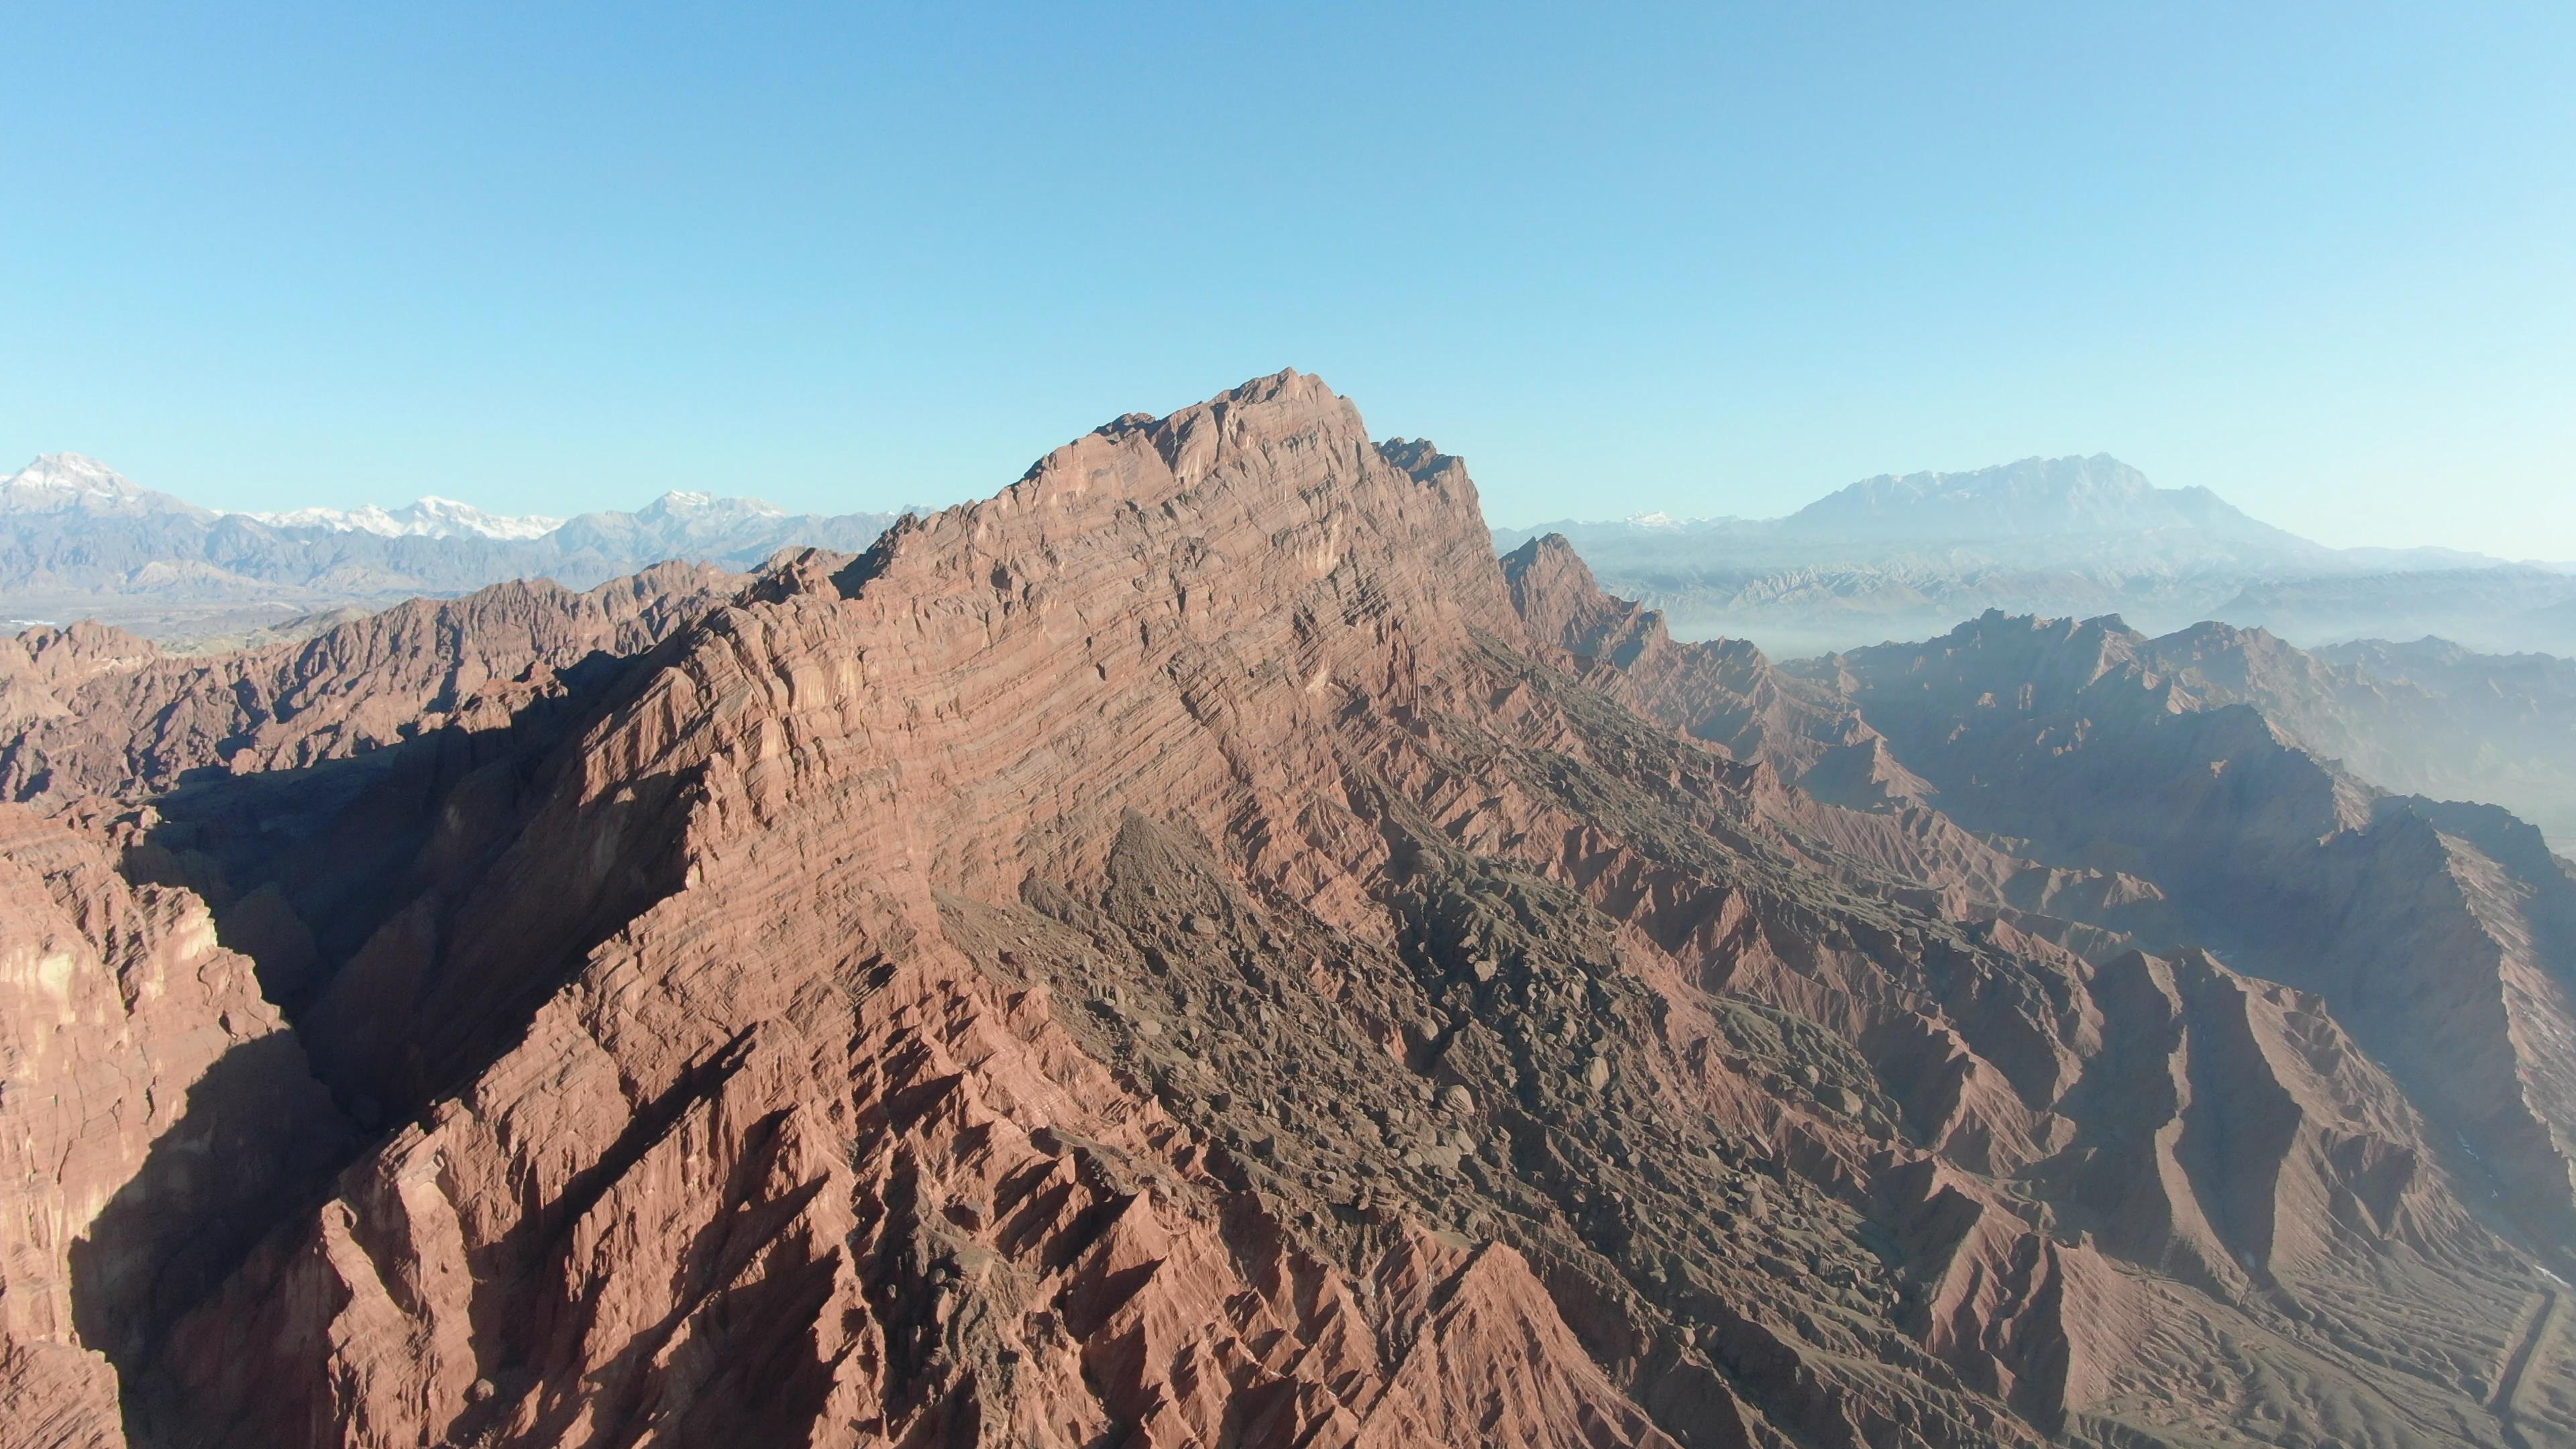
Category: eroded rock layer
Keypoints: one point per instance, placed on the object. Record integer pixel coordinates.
(155, 1117)
(1192, 951)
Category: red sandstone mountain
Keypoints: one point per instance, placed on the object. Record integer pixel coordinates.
(1191, 950)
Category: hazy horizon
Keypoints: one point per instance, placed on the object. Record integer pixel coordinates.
(2311, 259)
(1501, 525)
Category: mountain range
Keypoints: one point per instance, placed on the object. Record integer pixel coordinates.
(78, 540)
(1889, 557)
(431, 517)
(1196, 950)
(1906, 557)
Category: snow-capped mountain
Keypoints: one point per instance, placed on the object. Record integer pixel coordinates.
(688, 501)
(431, 517)
(77, 540)
(74, 483)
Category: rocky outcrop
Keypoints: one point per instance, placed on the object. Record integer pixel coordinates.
(2427, 718)
(42, 670)
(958, 1220)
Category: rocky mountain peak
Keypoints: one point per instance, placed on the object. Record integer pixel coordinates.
(77, 483)
(1191, 950)
(689, 503)
(2034, 495)
(1287, 408)
(1419, 457)
(1267, 490)
(1557, 597)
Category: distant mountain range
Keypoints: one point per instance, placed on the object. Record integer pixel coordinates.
(1906, 557)
(431, 517)
(79, 540)
(1891, 557)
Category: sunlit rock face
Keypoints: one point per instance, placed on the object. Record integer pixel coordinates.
(1194, 950)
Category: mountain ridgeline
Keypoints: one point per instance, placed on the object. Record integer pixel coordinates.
(1906, 557)
(1195, 950)
(78, 541)
(2097, 499)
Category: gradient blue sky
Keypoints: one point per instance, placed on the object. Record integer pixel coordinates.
(2321, 258)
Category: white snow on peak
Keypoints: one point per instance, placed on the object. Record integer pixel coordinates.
(72, 473)
(70, 485)
(76, 483)
(431, 517)
(73, 483)
(688, 500)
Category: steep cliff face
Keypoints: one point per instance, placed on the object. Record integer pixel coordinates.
(155, 1116)
(1191, 951)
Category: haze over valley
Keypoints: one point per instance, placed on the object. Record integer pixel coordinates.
(1904, 557)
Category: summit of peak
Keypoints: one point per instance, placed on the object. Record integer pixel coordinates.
(695, 500)
(1286, 409)
(1287, 384)
(69, 463)
(2087, 495)
(77, 471)
(1270, 489)
(79, 483)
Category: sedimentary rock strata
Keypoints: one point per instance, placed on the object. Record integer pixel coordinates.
(1193, 950)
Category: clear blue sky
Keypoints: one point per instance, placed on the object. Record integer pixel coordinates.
(2321, 258)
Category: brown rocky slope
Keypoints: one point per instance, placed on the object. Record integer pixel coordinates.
(1187, 951)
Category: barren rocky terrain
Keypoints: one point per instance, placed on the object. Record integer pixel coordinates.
(1194, 950)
